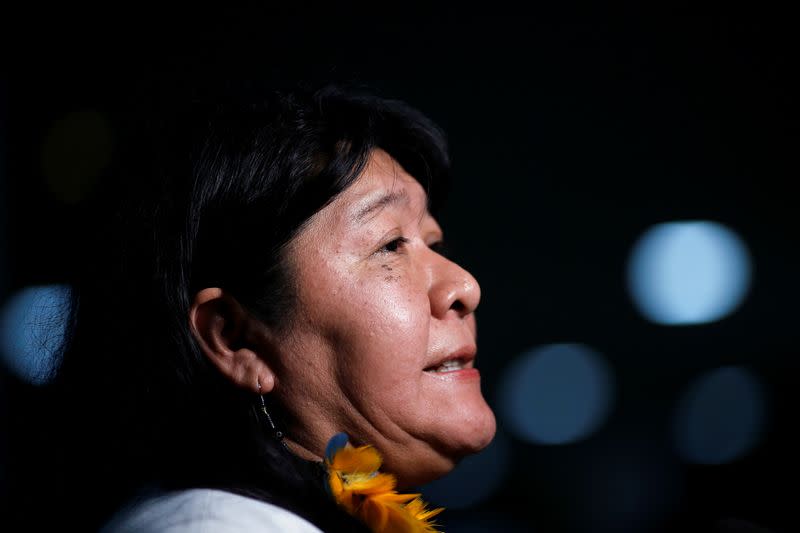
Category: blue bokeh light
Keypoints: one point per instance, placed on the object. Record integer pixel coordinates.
(32, 327)
(720, 417)
(556, 394)
(474, 479)
(688, 272)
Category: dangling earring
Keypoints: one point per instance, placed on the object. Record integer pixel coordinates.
(276, 433)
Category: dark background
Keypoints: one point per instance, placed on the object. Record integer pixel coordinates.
(572, 131)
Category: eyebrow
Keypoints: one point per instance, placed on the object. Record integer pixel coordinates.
(388, 199)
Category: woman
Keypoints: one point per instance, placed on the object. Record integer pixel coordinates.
(273, 278)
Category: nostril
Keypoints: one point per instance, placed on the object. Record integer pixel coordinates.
(458, 306)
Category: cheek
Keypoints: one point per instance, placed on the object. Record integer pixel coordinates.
(387, 334)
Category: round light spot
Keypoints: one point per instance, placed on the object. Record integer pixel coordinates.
(556, 394)
(32, 327)
(688, 272)
(76, 150)
(720, 417)
(474, 479)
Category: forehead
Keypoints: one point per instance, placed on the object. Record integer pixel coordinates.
(382, 183)
(339, 221)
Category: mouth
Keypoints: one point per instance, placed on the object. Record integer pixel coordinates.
(461, 359)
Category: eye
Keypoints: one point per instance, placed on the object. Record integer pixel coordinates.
(393, 246)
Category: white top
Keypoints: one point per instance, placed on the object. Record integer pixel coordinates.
(206, 511)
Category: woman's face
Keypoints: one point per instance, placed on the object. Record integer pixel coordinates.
(382, 340)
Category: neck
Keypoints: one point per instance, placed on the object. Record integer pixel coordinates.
(301, 451)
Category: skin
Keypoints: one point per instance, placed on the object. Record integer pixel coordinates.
(376, 307)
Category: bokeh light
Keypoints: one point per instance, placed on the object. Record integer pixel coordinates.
(556, 394)
(32, 327)
(76, 150)
(688, 272)
(720, 417)
(474, 479)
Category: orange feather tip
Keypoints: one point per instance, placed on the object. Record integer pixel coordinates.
(357, 486)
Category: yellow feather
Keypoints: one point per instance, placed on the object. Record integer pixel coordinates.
(335, 483)
(393, 497)
(361, 459)
(419, 509)
(394, 518)
(368, 494)
(376, 484)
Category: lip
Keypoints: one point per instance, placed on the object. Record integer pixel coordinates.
(465, 354)
(465, 374)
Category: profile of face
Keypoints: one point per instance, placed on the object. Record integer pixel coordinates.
(381, 341)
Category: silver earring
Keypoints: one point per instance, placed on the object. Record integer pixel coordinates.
(278, 434)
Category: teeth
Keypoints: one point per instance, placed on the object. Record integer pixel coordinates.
(449, 366)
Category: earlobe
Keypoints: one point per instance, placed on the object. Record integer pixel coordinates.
(220, 325)
(265, 383)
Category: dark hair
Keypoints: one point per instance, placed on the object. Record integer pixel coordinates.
(140, 405)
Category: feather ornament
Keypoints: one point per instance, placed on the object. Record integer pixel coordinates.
(359, 487)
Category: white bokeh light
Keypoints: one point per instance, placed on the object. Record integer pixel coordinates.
(688, 272)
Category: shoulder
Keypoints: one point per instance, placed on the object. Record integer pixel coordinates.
(205, 511)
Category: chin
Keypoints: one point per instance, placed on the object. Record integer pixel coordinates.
(477, 433)
(457, 442)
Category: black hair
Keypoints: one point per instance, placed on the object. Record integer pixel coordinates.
(234, 177)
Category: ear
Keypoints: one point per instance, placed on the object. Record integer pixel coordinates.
(222, 329)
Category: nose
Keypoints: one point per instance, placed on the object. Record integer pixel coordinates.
(453, 289)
